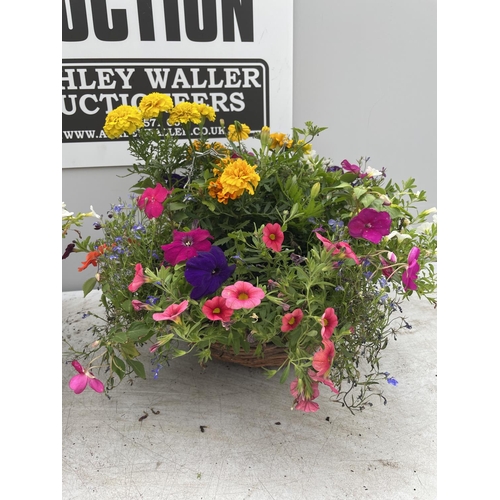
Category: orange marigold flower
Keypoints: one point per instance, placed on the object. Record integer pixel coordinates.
(280, 139)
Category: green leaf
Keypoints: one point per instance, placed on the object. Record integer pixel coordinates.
(176, 206)
(118, 366)
(138, 368)
(137, 330)
(89, 285)
(285, 373)
(129, 350)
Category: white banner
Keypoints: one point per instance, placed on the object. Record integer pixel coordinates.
(234, 55)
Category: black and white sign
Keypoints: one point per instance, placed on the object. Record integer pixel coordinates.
(234, 55)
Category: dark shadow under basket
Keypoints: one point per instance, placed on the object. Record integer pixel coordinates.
(271, 356)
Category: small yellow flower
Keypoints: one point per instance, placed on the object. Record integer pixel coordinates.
(206, 111)
(122, 119)
(238, 131)
(155, 103)
(237, 177)
(184, 112)
(306, 148)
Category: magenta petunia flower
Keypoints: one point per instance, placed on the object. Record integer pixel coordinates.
(290, 321)
(151, 200)
(139, 278)
(242, 295)
(172, 312)
(216, 309)
(273, 236)
(349, 167)
(341, 249)
(329, 322)
(322, 359)
(186, 244)
(370, 225)
(409, 275)
(79, 382)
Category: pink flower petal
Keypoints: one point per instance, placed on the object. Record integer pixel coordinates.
(78, 383)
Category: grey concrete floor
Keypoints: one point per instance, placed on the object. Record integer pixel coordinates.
(385, 452)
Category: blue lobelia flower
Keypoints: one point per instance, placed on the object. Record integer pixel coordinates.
(207, 271)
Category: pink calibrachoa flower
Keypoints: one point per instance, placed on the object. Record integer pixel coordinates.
(329, 322)
(273, 236)
(314, 376)
(216, 309)
(186, 244)
(322, 359)
(242, 295)
(409, 276)
(79, 382)
(370, 225)
(291, 320)
(139, 279)
(303, 401)
(151, 200)
(342, 249)
(139, 306)
(172, 312)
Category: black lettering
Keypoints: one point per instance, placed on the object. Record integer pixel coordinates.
(192, 15)
(146, 26)
(103, 32)
(80, 30)
(172, 20)
(242, 10)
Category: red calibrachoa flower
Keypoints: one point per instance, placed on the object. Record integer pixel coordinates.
(216, 309)
(304, 401)
(370, 225)
(273, 236)
(329, 322)
(291, 320)
(92, 258)
(151, 200)
(322, 359)
(341, 249)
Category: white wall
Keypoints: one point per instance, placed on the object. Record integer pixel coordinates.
(366, 69)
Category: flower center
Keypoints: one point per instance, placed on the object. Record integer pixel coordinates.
(216, 310)
(272, 237)
(291, 321)
(187, 241)
(242, 296)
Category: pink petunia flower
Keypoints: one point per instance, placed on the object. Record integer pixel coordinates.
(79, 382)
(139, 278)
(349, 167)
(186, 244)
(322, 359)
(291, 320)
(139, 306)
(370, 225)
(216, 309)
(329, 322)
(409, 276)
(151, 200)
(172, 312)
(273, 236)
(341, 249)
(242, 295)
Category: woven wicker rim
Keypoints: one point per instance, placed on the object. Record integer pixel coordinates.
(271, 356)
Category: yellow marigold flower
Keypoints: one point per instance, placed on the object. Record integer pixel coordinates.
(265, 129)
(239, 176)
(122, 119)
(155, 103)
(215, 190)
(305, 148)
(238, 131)
(206, 111)
(280, 139)
(184, 112)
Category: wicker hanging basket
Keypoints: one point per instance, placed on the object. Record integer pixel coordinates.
(271, 356)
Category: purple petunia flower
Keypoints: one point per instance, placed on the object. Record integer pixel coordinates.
(370, 225)
(207, 271)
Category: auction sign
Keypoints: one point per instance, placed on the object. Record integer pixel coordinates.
(233, 55)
